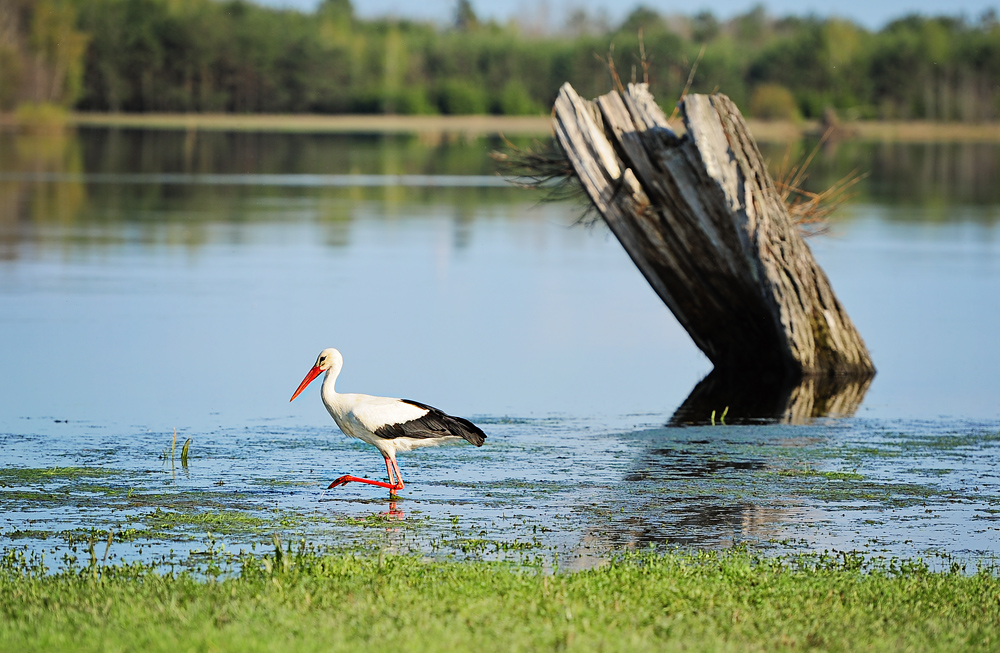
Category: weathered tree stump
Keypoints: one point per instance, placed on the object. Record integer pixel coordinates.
(700, 217)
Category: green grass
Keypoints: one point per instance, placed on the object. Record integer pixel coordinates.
(337, 602)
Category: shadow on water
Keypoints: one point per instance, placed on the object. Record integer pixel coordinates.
(731, 399)
(720, 482)
(690, 518)
(692, 487)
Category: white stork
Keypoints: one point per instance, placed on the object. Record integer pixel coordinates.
(388, 424)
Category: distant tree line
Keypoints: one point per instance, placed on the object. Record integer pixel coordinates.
(235, 56)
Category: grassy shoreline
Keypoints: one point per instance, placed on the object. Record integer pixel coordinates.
(474, 125)
(486, 125)
(732, 600)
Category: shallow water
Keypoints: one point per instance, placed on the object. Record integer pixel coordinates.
(150, 283)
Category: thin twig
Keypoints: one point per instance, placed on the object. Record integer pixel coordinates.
(643, 60)
(111, 537)
(610, 63)
(544, 166)
(797, 173)
(807, 208)
(690, 80)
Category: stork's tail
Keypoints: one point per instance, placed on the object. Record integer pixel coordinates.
(466, 429)
(438, 423)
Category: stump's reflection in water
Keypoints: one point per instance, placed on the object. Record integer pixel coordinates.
(740, 400)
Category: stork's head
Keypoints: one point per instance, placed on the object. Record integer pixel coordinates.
(328, 359)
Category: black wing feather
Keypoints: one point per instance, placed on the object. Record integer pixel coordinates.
(435, 424)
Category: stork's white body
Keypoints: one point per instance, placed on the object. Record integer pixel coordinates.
(361, 416)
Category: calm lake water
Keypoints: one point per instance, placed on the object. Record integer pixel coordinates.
(152, 281)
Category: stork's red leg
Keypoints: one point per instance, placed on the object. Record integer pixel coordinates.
(344, 480)
(388, 471)
(391, 468)
(399, 477)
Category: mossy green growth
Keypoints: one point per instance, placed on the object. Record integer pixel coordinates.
(374, 520)
(338, 602)
(842, 487)
(215, 521)
(28, 496)
(832, 476)
(26, 475)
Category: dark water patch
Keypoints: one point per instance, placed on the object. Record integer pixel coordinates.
(690, 464)
(191, 499)
(279, 483)
(110, 491)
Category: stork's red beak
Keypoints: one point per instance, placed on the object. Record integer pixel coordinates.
(313, 373)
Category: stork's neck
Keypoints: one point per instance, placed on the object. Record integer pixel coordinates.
(329, 381)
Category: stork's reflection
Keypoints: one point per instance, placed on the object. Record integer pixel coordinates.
(393, 513)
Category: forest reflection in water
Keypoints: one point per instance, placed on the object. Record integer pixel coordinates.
(939, 174)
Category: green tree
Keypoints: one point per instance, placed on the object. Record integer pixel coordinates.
(14, 18)
(643, 18)
(234, 55)
(705, 27)
(465, 16)
(41, 52)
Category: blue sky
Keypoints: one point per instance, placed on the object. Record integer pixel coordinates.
(870, 13)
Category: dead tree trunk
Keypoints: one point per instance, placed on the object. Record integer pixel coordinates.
(700, 217)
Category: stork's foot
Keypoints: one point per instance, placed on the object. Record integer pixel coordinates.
(344, 480)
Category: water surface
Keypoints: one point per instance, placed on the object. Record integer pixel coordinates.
(155, 280)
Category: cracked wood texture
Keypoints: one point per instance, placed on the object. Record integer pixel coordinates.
(700, 217)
